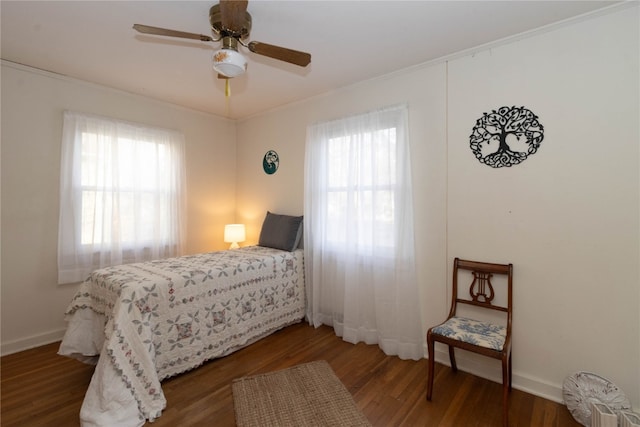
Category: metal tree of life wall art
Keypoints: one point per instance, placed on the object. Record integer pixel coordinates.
(506, 136)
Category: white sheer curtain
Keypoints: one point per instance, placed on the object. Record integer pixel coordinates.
(122, 194)
(358, 233)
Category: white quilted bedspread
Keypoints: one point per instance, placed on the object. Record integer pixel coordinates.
(168, 316)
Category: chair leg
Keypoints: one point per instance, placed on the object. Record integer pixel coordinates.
(452, 359)
(510, 371)
(506, 386)
(430, 346)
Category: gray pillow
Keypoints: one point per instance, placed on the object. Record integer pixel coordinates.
(281, 232)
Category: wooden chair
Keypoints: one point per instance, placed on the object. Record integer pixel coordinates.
(483, 337)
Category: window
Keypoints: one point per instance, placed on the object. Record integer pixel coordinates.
(121, 196)
(359, 249)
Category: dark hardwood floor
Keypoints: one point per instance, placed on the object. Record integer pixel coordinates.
(40, 388)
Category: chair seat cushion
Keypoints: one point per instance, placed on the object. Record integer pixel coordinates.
(483, 334)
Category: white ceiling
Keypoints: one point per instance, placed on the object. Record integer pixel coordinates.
(349, 41)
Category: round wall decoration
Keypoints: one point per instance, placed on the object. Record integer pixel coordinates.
(270, 162)
(506, 136)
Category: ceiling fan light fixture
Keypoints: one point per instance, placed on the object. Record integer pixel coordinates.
(229, 62)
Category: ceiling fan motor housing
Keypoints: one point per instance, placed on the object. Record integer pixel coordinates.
(215, 19)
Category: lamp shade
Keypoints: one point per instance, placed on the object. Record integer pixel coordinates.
(229, 62)
(234, 233)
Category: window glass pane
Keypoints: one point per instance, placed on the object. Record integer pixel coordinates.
(336, 205)
(89, 154)
(338, 160)
(89, 207)
(384, 219)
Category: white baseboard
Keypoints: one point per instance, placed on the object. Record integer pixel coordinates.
(483, 367)
(33, 341)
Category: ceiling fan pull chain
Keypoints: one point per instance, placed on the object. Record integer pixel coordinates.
(227, 96)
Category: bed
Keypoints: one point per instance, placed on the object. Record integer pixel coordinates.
(145, 322)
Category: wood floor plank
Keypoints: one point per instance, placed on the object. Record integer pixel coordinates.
(41, 388)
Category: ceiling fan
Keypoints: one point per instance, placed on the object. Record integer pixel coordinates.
(231, 24)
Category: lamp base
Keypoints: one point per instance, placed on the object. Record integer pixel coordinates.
(234, 245)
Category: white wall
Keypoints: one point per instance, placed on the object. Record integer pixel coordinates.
(32, 104)
(567, 218)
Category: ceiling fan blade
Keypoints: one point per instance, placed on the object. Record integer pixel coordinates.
(233, 14)
(146, 29)
(282, 53)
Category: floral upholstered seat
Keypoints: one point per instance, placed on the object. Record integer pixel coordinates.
(472, 331)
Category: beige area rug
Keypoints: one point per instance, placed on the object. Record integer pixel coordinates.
(304, 395)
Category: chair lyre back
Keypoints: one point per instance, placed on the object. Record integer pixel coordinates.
(481, 290)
